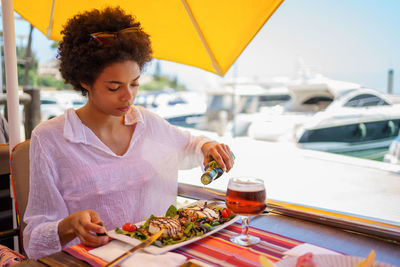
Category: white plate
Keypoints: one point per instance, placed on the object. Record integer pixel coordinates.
(159, 250)
(330, 260)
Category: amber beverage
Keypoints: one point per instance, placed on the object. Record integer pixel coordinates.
(246, 202)
(245, 196)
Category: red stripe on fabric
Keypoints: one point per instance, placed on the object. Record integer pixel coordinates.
(271, 239)
(254, 249)
(228, 257)
(270, 252)
(186, 252)
(193, 249)
(274, 238)
(81, 252)
(221, 247)
(238, 226)
(262, 246)
(217, 259)
(286, 240)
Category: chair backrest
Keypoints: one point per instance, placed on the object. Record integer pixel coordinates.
(4, 159)
(20, 178)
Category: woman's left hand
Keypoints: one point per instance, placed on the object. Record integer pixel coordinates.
(220, 152)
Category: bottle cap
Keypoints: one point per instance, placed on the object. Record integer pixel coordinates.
(205, 179)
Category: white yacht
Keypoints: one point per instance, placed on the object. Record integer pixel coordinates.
(239, 100)
(393, 155)
(180, 108)
(331, 116)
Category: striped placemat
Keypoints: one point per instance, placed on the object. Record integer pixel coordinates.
(217, 249)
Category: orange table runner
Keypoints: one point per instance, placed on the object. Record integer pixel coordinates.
(217, 249)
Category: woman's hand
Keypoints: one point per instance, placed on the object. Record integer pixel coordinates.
(220, 152)
(83, 224)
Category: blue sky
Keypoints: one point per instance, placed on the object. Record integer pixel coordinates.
(352, 40)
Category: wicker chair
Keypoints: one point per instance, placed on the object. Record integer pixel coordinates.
(20, 181)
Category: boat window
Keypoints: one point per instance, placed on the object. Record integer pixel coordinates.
(317, 103)
(366, 100)
(351, 133)
(176, 101)
(272, 100)
(77, 103)
(317, 99)
(48, 102)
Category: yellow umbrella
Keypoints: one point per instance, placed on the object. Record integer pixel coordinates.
(208, 34)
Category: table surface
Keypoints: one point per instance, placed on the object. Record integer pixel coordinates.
(321, 235)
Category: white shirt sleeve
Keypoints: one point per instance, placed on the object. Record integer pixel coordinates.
(193, 156)
(189, 145)
(46, 206)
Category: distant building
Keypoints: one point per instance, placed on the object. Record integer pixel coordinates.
(49, 68)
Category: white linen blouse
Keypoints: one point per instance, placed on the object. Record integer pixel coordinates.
(72, 170)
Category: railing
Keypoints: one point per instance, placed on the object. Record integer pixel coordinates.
(362, 225)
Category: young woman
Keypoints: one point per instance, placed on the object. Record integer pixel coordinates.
(108, 161)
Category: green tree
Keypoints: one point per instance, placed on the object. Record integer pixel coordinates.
(174, 82)
(21, 54)
(50, 81)
(54, 45)
(33, 66)
(157, 71)
(162, 83)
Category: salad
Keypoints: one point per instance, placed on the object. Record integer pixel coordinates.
(179, 224)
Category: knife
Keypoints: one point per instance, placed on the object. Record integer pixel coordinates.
(144, 244)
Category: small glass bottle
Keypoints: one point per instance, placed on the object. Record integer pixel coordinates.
(212, 171)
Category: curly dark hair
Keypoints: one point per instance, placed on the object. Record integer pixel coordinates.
(82, 58)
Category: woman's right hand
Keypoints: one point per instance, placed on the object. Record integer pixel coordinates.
(83, 224)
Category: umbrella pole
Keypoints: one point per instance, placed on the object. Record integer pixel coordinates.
(10, 58)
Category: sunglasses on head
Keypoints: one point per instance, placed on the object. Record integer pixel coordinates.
(106, 38)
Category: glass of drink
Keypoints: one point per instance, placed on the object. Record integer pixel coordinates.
(246, 196)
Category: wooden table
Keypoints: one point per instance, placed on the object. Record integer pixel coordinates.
(321, 235)
(61, 259)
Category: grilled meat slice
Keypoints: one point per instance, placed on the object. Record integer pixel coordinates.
(172, 226)
(196, 213)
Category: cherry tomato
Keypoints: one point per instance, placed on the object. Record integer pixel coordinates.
(129, 227)
(230, 213)
(125, 227)
(224, 213)
(132, 228)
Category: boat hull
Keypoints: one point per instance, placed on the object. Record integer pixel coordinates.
(374, 150)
